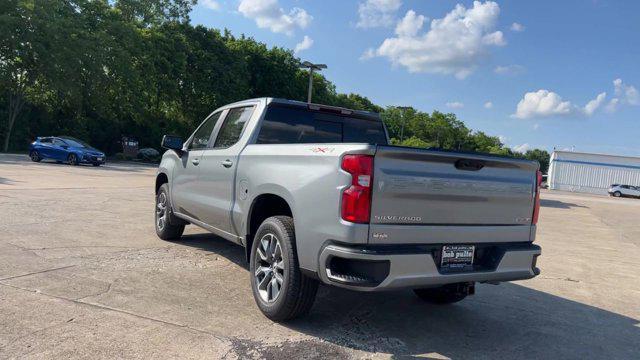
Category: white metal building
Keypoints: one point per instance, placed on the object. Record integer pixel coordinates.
(591, 173)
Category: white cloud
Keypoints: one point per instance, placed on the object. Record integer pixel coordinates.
(517, 27)
(269, 15)
(454, 44)
(210, 4)
(377, 13)
(495, 38)
(488, 105)
(612, 106)
(410, 24)
(627, 93)
(542, 103)
(509, 69)
(536, 126)
(455, 105)
(368, 54)
(503, 139)
(594, 104)
(522, 148)
(306, 43)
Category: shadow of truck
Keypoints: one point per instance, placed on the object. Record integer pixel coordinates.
(505, 321)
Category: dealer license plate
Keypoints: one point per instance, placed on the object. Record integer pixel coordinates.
(457, 256)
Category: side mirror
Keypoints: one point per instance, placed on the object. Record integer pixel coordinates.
(172, 142)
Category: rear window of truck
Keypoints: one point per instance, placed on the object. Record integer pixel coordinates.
(296, 125)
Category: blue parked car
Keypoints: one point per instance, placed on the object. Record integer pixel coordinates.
(65, 149)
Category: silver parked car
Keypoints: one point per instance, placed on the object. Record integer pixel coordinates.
(315, 194)
(624, 190)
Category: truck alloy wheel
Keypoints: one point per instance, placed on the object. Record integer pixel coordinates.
(279, 288)
(269, 274)
(161, 211)
(167, 226)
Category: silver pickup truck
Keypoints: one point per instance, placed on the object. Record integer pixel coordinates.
(315, 193)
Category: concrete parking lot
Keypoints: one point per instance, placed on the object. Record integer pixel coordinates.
(82, 275)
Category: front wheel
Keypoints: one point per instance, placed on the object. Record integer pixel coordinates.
(279, 288)
(166, 229)
(617, 194)
(35, 157)
(447, 294)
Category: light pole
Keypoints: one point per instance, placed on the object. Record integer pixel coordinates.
(403, 109)
(311, 67)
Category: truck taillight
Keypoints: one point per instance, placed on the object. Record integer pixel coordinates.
(356, 199)
(536, 207)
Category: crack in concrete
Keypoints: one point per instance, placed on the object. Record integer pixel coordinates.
(559, 278)
(35, 273)
(72, 247)
(100, 293)
(108, 308)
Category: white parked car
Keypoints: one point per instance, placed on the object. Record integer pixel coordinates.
(624, 190)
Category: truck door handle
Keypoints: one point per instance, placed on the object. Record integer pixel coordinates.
(195, 162)
(227, 163)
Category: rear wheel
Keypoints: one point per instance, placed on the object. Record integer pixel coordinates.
(447, 294)
(279, 288)
(72, 159)
(166, 229)
(35, 157)
(617, 194)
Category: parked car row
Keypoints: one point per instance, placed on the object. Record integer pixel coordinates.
(66, 149)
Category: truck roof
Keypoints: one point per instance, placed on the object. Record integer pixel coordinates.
(315, 106)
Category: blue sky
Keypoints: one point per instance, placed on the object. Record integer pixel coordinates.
(562, 74)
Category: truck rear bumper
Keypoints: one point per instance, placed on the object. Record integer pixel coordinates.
(386, 267)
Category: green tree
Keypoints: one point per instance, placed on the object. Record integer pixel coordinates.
(412, 142)
(541, 156)
(485, 143)
(17, 63)
(101, 69)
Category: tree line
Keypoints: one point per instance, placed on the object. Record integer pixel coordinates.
(102, 69)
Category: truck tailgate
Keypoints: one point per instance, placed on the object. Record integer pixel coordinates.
(428, 196)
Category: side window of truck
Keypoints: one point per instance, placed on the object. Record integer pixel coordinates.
(232, 127)
(202, 135)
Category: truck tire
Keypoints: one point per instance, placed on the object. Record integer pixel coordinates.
(447, 294)
(166, 227)
(280, 289)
